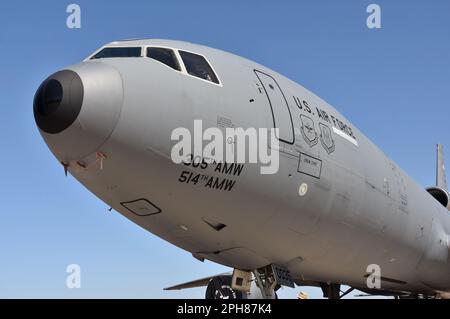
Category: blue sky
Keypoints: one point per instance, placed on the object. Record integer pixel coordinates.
(392, 83)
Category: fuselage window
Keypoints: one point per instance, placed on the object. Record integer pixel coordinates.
(196, 65)
(166, 56)
(118, 52)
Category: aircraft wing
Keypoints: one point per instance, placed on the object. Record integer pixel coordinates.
(195, 283)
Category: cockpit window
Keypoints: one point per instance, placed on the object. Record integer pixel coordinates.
(197, 65)
(118, 52)
(163, 55)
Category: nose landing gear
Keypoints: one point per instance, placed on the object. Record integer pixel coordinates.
(257, 284)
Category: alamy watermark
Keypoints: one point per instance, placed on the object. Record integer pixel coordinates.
(238, 145)
(373, 280)
(374, 19)
(73, 280)
(74, 19)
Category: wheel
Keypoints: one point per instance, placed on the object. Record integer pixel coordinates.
(220, 288)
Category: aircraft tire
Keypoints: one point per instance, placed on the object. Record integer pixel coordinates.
(220, 288)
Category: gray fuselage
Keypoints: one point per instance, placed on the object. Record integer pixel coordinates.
(360, 207)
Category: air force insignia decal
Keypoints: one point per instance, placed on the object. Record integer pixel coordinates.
(326, 138)
(308, 131)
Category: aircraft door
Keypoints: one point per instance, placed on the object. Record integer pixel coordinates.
(281, 114)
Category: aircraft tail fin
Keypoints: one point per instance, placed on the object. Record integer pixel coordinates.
(441, 180)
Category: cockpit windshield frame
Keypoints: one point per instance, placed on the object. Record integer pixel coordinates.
(179, 59)
(94, 56)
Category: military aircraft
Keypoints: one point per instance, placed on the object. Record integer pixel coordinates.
(336, 212)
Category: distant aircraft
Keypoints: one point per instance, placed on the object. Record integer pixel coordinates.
(337, 212)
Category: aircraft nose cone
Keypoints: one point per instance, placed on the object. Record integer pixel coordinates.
(77, 109)
(58, 101)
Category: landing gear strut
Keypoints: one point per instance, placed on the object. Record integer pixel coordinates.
(333, 291)
(270, 278)
(266, 283)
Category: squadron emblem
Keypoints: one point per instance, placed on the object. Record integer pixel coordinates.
(308, 131)
(326, 138)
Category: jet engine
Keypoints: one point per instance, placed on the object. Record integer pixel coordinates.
(441, 195)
